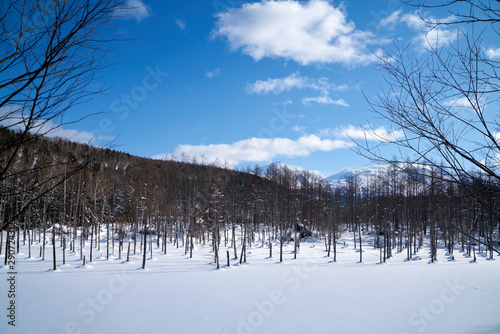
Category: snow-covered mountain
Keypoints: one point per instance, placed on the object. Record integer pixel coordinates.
(382, 171)
(362, 173)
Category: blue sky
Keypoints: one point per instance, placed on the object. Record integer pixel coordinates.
(249, 82)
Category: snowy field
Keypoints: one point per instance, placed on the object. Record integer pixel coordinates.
(311, 294)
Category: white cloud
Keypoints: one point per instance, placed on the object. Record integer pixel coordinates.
(293, 81)
(458, 102)
(12, 119)
(259, 149)
(438, 37)
(391, 20)
(277, 86)
(211, 74)
(325, 99)
(362, 133)
(299, 128)
(414, 21)
(83, 137)
(493, 53)
(181, 24)
(429, 36)
(306, 32)
(464, 102)
(135, 9)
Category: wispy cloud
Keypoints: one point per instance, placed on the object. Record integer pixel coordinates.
(493, 53)
(278, 85)
(325, 99)
(12, 119)
(306, 32)
(391, 21)
(464, 102)
(135, 9)
(429, 36)
(437, 37)
(299, 128)
(361, 133)
(258, 149)
(211, 74)
(181, 24)
(294, 81)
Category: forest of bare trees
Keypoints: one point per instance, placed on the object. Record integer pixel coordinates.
(133, 205)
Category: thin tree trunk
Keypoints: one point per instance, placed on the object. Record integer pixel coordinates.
(91, 242)
(360, 246)
(107, 239)
(64, 250)
(128, 252)
(145, 240)
(54, 246)
(6, 248)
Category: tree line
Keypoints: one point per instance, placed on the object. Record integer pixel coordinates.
(78, 198)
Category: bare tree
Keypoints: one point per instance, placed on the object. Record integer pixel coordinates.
(440, 104)
(462, 11)
(444, 102)
(51, 51)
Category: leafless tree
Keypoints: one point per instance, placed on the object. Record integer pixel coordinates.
(50, 53)
(444, 102)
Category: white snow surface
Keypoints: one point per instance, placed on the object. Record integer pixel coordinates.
(311, 294)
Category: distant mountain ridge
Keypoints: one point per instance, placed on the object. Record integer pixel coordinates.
(362, 173)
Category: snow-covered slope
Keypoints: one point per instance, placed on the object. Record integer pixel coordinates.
(382, 171)
(362, 173)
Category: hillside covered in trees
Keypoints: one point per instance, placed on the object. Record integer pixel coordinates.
(85, 194)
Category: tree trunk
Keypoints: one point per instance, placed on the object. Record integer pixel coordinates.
(360, 246)
(64, 250)
(91, 242)
(54, 246)
(128, 252)
(7, 240)
(145, 240)
(107, 240)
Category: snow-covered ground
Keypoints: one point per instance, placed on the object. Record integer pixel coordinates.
(311, 294)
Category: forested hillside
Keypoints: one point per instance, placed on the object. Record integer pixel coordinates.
(84, 194)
